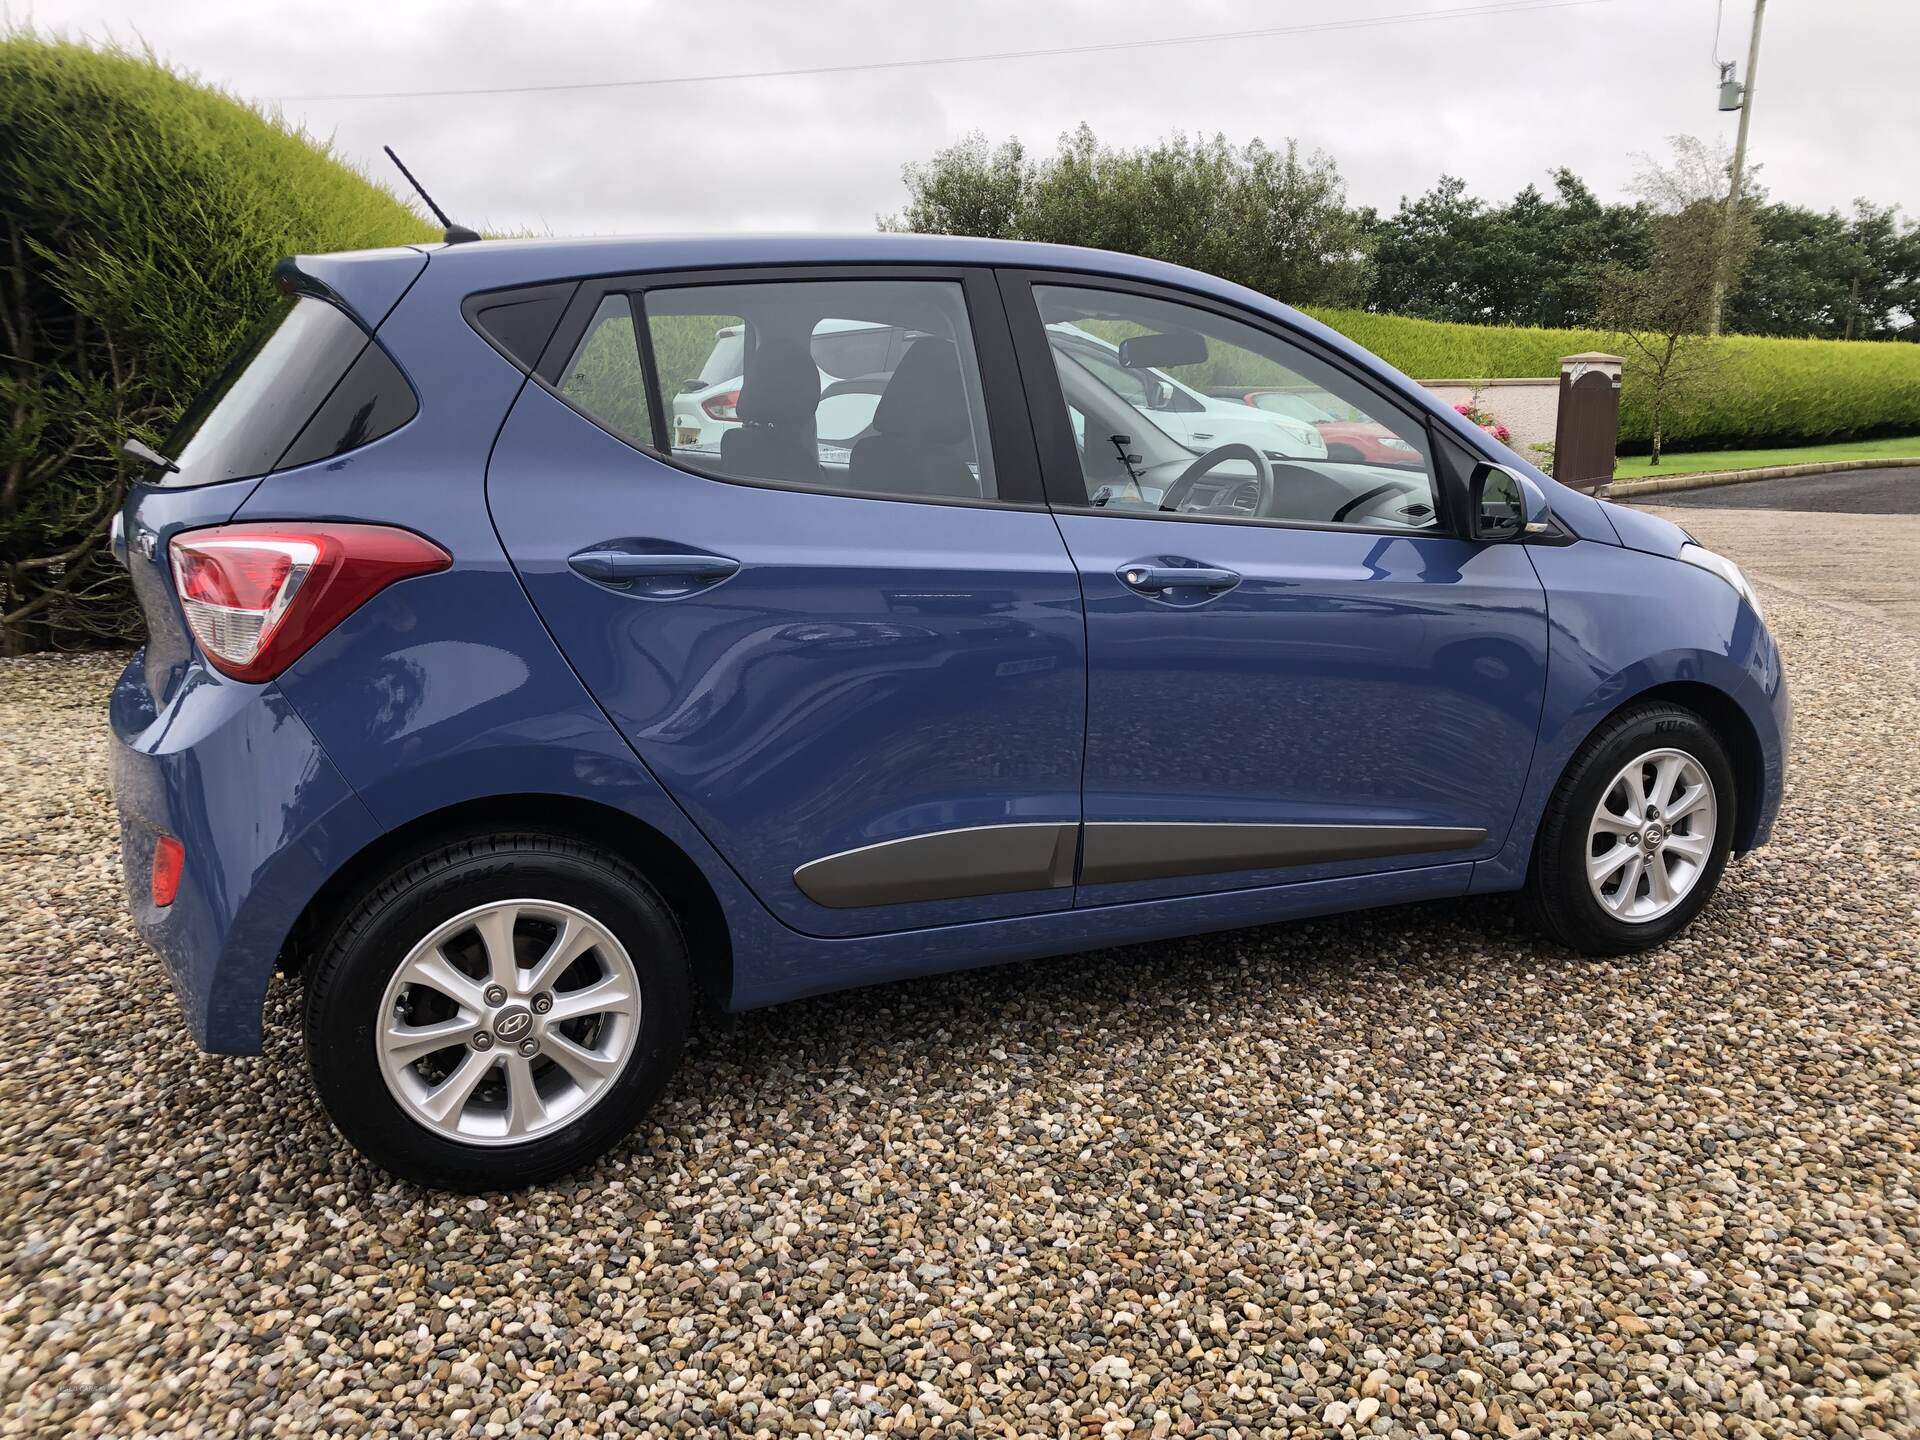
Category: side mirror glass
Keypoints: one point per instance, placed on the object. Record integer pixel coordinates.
(1503, 504)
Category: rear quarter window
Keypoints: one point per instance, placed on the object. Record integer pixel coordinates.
(307, 385)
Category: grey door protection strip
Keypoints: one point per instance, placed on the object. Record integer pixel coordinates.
(1008, 859)
(1164, 850)
(944, 865)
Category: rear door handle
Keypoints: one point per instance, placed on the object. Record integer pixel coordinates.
(651, 572)
(1154, 579)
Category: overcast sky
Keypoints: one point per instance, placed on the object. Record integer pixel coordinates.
(1498, 100)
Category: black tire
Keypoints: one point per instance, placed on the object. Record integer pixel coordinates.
(1557, 895)
(349, 972)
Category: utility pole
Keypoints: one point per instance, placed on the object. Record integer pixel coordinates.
(1733, 182)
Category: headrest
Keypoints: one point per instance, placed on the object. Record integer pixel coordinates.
(781, 385)
(924, 399)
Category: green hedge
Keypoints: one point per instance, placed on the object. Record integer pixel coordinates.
(142, 216)
(1758, 391)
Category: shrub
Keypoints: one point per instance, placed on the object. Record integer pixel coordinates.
(140, 218)
(1765, 391)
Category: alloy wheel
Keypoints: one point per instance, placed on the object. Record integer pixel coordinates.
(508, 1021)
(1651, 836)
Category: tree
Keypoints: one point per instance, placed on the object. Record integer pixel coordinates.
(1803, 277)
(1268, 217)
(1661, 310)
(1425, 257)
(1887, 300)
(1535, 261)
(966, 189)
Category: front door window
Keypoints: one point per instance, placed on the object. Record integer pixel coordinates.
(1155, 387)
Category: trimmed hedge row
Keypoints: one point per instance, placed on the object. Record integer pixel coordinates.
(1757, 390)
(140, 218)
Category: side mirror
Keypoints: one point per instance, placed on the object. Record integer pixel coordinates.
(1503, 504)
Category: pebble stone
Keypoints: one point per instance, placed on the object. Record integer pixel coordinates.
(1410, 1173)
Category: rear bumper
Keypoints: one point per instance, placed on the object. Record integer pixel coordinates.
(264, 818)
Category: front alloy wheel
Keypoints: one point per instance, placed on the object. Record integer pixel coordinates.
(1633, 842)
(1652, 835)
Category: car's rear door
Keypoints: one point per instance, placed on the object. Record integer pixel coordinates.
(856, 661)
(1329, 683)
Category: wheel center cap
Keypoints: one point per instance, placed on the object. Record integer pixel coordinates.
(1655, 833)
(513, 1022)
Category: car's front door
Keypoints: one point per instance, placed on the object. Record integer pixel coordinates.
(1295, 669)
(855, 659)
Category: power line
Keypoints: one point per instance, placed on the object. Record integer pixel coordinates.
(1408, 17)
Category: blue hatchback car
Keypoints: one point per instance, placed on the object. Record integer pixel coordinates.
(972, 616)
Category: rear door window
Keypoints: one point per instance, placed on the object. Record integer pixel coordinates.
(248, 421)
(864, 387)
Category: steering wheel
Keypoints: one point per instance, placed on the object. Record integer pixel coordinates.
(1177, 493)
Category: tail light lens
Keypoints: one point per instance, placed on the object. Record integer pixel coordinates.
(725, 406)
(258, 596)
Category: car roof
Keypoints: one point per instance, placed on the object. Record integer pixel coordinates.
(534, 261)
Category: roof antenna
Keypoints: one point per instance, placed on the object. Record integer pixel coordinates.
(454, 234)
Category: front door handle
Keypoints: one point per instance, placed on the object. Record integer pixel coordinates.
(661, 573)
(1155, 579)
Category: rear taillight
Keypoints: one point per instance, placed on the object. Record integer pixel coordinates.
(257, 596)
(725, 406)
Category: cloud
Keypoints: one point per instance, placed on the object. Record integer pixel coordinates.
(1498, 100)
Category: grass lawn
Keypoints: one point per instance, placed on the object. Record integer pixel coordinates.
(1632, 467)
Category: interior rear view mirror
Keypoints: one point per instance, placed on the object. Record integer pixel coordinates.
(1503, 504)
(1162, 352)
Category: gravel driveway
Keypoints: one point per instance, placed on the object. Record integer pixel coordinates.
(1404, 1173)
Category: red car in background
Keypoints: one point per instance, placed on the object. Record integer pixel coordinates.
(1354, 441)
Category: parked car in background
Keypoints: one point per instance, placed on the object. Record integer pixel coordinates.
(1345, 438)
(506, 715)
(1189, 416)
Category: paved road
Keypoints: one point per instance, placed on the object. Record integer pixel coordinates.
(1894, 490)
(1866, 563)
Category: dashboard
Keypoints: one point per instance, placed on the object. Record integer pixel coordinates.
(1329, 492)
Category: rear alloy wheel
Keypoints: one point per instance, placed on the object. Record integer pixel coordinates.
(1636, 835)
(498, 1012)
(485, 1049)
